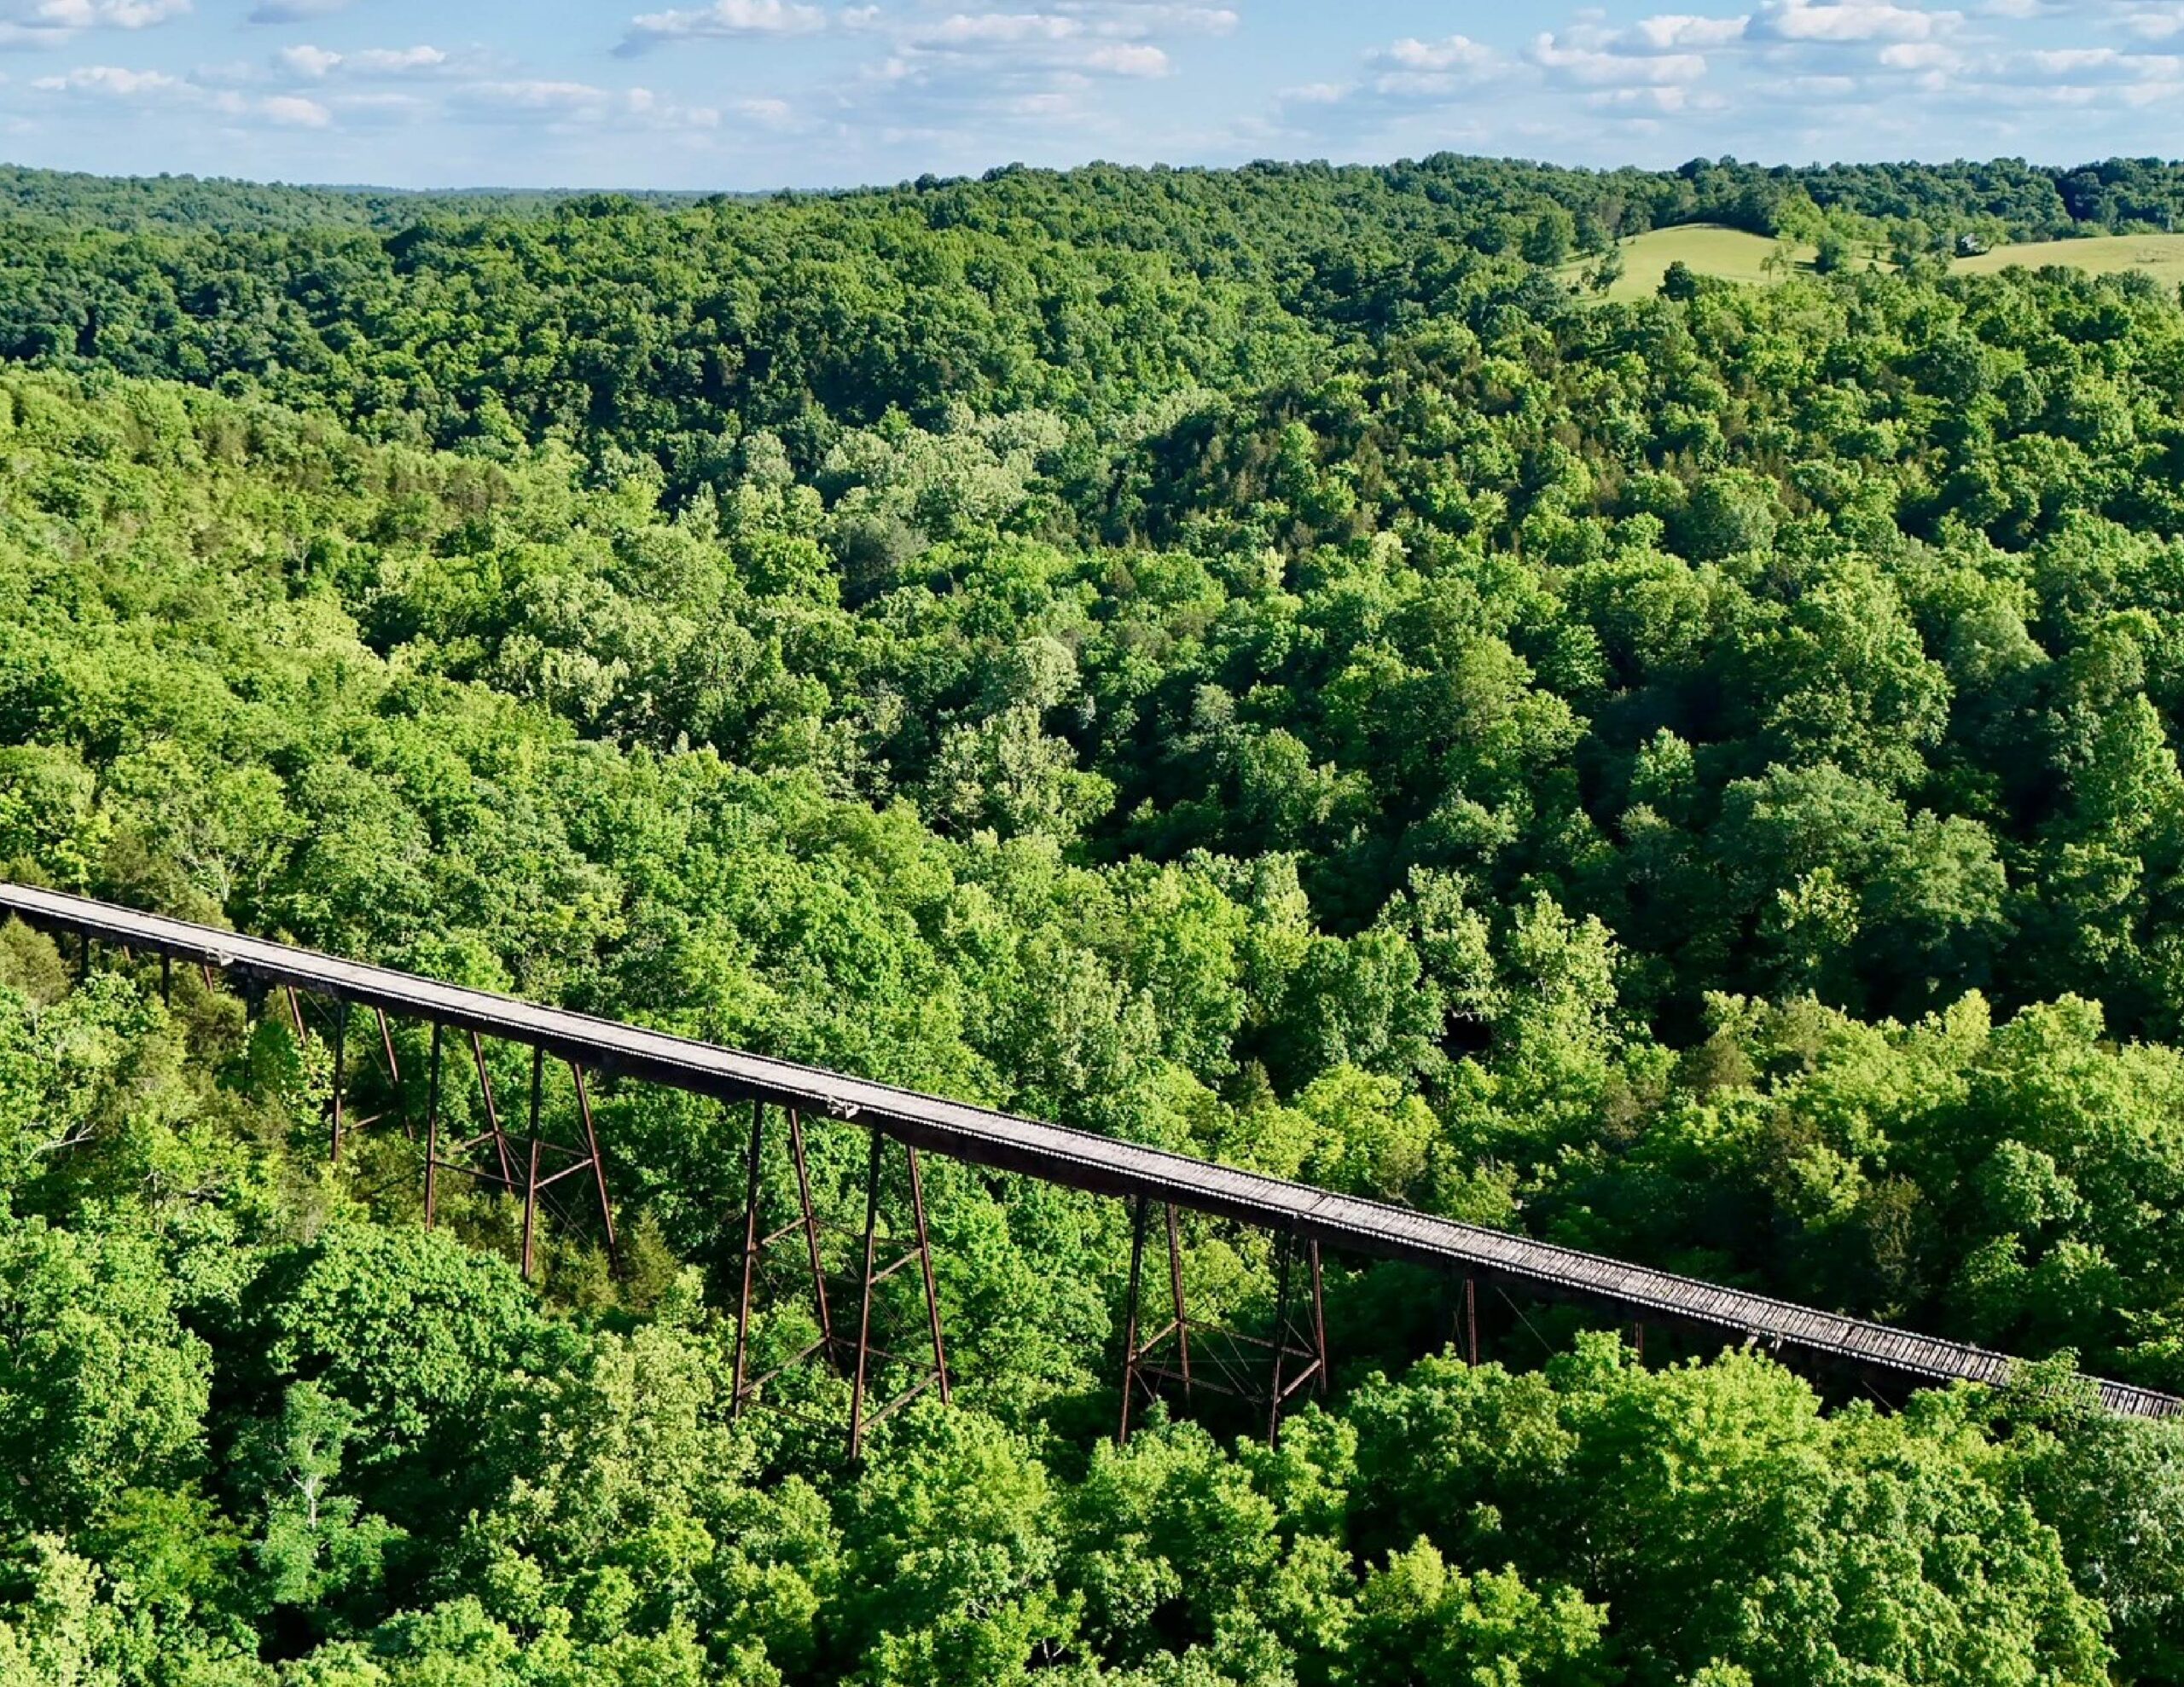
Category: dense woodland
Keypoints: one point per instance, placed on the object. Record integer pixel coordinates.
(1253, 662)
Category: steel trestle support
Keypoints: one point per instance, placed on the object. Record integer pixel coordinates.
(855, 1357)
(501, 1173)
(1294, 1354)
(537, 1173)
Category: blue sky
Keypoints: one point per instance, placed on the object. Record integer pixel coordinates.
(748, 94)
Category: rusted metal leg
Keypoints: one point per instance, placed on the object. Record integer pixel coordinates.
(1638, 1338)
(925, 1266)
(1470, 1319)
(530, 1209)
(1176, 1294)
(296, 1014)
(750, 1254)
(1319, 1325)
(864, 1302)
(530, 1188)
(1281, 1337)
(492, 1112)
(1130, 1316)
(432, 1129)
(386, 1045)
(811, 1235)
(598, 1168)
(340, 1066)
(166, 981)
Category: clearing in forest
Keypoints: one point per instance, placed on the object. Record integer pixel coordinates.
(1708, 248)
(1734, 255)
(2161, 256)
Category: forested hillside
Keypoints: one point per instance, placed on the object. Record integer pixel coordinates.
(1247, 662)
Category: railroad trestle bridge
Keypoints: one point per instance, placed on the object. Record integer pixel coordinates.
(1167, 1350)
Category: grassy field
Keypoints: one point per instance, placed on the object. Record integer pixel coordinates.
(2161, 256)
(1705, 248)
(1736, 256)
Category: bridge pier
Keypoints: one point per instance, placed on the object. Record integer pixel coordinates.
(859, 1357)
(576, 1160)
(1294, 1354)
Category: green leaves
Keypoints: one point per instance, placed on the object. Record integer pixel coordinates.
(101, 1389)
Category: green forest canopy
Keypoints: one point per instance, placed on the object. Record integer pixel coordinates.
(1244, 661)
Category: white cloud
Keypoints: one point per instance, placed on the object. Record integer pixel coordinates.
(1455, 52)
(1140, 18)
(116, 83)
(1429, 70)
(1595, 67)
(395, 60)
(2153, 23)
(53, 23)
(985, 29)
(318, 62)
(294, 112)
(1127, 58)
(111, 81)
(71, 14)
(721, 19)
(767, 113)
(527, 101)
(1839, 22)
(1678, 31)
(1918, 55)
(313, 61)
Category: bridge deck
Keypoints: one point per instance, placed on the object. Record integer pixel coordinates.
(1076, 1159)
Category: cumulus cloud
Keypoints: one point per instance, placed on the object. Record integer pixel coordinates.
(1072, 42)
(998, 29)
(1844, 22)
(307, 60)
(295, 112)
(575, 105)
(96, 14)
(2153, 23)
(120, 84)
(1679, 32)
(1454, 52)
(1126, 58)
(723, 19)
(1603, 67)
(394, 61)
(1918, 55)
(53, 23)
(1140, 18)
(111, 81)
(317, 63)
